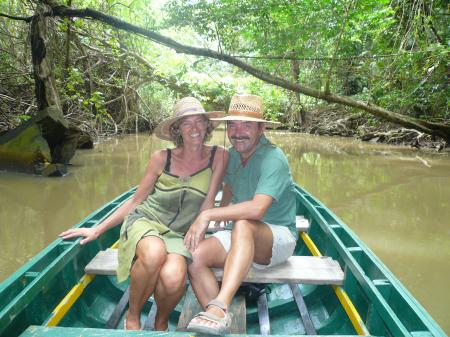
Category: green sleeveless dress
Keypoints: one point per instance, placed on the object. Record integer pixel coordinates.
(166, 213)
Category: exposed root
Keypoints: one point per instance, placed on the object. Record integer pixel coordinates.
(333, 120)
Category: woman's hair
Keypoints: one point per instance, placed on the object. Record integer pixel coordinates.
(175, 133)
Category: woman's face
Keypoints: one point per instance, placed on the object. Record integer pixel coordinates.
(193, 129)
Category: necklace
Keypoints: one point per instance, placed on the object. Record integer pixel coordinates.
(245, 161)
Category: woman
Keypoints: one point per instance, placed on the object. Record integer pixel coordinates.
(178, 183)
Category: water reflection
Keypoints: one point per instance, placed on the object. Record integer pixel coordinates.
(394, 198)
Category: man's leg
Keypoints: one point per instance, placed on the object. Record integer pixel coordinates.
(150, 256)
(250, 241)
(169, 288)
(209, 254)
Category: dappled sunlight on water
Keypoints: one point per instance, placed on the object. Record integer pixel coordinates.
(395, 199)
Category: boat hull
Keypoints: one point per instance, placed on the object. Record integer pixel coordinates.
(385, 307)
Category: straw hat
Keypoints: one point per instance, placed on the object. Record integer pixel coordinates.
(246, 107)
(187, 106)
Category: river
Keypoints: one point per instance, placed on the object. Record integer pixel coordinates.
(395, 199)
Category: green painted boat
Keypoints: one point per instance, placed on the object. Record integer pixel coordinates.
(52, 296)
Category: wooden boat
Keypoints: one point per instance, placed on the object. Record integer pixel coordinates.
(52, 296)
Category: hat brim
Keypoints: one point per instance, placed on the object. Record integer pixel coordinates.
(162, 131)
(270, 124)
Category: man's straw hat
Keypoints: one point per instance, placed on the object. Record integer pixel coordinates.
(246, 107)
(187, 106)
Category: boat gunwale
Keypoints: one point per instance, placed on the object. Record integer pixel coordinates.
(35, 286)
(367, 285)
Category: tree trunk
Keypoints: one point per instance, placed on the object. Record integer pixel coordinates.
(301, 114)
(46, 93)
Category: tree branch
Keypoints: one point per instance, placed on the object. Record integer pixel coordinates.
(20, 18)
(442, 130)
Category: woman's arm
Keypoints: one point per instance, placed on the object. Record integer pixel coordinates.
(218, 167)
(152, 172)
(226, 196)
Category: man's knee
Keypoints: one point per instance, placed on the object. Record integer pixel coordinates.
(242, 227)
(199, 259)
(209, 253)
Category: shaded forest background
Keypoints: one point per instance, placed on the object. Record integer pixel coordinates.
(389, 54)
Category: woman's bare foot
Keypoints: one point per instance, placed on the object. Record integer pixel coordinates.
(132, 323)
(161, 326)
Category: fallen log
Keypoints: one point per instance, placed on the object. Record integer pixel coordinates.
(43, 145)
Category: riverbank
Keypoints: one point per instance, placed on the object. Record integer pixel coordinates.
(335, 120)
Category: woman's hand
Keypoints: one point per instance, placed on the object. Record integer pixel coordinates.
(196, 232)
(89, 234)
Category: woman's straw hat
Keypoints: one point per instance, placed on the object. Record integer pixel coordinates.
(187, 106)
(246, 107)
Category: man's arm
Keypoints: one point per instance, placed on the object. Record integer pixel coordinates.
(248, 210)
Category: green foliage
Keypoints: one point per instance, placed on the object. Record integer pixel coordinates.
(386, 54)
(392, 53)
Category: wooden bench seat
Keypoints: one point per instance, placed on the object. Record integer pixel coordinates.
(297, 269)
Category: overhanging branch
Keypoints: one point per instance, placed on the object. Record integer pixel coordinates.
(441, 130)
(20, 18)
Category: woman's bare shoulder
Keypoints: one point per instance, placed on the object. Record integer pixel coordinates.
(220, 148)
(158, 159)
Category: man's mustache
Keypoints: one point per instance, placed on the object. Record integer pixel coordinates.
(240, 138)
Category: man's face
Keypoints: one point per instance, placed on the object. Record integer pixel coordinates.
(244, 136)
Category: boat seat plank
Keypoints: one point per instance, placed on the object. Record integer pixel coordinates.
(191, 307)
(263, 315)
(297, 269)
(301, 223)
(304, 314)
(113, 321)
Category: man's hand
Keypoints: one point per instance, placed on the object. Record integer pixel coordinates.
(196, 232)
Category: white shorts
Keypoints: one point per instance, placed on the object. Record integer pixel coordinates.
(283, 244)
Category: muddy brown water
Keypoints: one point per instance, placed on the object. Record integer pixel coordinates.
(397, 200)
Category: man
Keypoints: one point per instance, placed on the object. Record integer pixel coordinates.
(259, 185)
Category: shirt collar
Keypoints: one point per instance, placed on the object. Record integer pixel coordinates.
(263, 140)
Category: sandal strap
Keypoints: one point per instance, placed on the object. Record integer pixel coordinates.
(210, 317)
(219, 304)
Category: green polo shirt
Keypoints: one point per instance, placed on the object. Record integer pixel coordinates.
(267, 172)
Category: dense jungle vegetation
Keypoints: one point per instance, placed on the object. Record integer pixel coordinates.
(118, 66)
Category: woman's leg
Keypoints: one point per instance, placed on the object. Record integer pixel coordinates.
(169, 288)
(150, 256)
